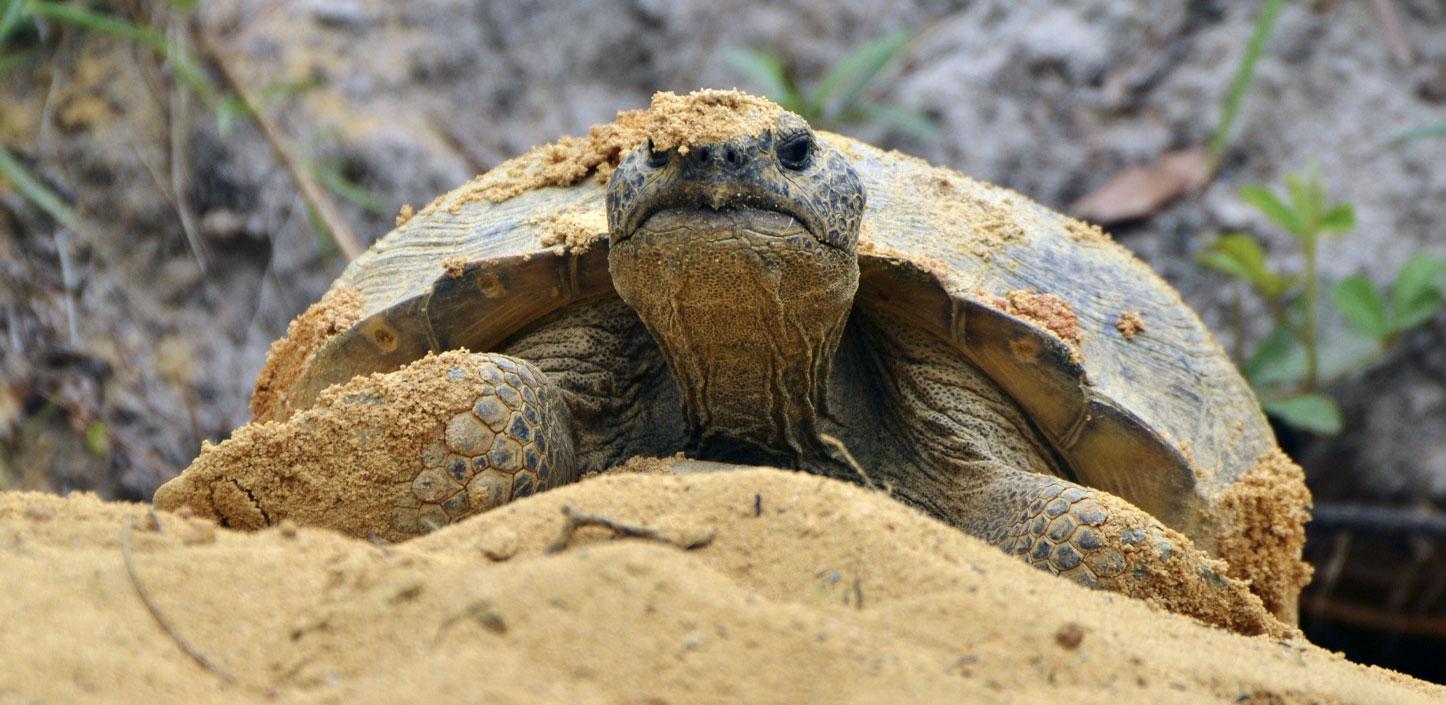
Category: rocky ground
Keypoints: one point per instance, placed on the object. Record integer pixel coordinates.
(121, 352)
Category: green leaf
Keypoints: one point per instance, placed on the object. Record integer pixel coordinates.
(185, 70)
(229, 110)
(13, 59)
(1279, 360)
(12, 171)
(902, 119)
(331, 177)
(1312, 412)
(1363, 306)
(10, 18)
(1435, 129)
(1307, 198)
(1273, 208)
(97, 439)
(1341, 218)
(768, 73)
(1244, 76)
(1241, 256)
(1417, 293)
(853, 75)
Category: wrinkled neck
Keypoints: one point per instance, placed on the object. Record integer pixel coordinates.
(749, 332)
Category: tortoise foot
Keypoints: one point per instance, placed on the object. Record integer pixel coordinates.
(1101, 541)
(392, 455)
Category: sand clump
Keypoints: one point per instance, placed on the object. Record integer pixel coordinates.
(1268, 508)
(288, 357)
(811, 591)
(671, 121)
(1049, 311)
(574, 230)
(1130, 324)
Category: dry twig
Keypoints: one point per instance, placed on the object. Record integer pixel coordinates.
(311, 192)
(191, 651)
(180, 104)
(576, 520)
(1395, 36)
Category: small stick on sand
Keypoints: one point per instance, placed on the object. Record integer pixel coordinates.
(379, 543)
(576, 520)
(195, 655)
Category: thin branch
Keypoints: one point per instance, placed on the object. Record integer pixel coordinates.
(1378, 619)
(1395, 36)
(1382, 520)
(180, 104)
(67, 282)
(311, 192)
(577, 520)
(191, 651)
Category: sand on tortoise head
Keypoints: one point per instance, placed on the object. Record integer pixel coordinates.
(810, 591)
(671, 121)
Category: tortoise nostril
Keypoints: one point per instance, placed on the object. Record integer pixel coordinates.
(731, 155)
(703, 155)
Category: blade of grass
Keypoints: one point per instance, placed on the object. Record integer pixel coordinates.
(316, 198)
(857, 71)
(332, 178)
(14, 13)
(13, 59)
(1437, 129)
(768, 72)
(1244, 76)
(36, 192)
(186, 70)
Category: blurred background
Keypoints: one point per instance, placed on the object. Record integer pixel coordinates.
(179, 179)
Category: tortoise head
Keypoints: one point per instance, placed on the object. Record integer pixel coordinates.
(740, 256)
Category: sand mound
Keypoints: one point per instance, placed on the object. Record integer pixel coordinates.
(810, 590)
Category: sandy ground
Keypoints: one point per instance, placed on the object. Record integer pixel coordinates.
(809, 590)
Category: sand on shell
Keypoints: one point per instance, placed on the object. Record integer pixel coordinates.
(810, 591)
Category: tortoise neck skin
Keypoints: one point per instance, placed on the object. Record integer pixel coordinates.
(741, 259)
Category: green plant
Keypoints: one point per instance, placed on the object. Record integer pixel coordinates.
(839, 99)
(1240, 84)
(1287, 367)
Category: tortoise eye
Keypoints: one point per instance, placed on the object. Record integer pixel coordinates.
(656, 159)
(794, 152)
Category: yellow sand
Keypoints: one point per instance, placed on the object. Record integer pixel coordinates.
(810, 591)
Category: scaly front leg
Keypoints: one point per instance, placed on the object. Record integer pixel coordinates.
(393, 454)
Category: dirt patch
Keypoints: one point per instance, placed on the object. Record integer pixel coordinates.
(671, 121)
(1267, 510)
(1047, 310)
(1130, 324)
(829, 591)
(288, 357)
(573, 230)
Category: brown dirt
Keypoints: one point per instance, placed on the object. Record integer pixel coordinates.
(338, 310)
(1130, 324)
(573, 230)
(1047, 310)
(671, 121)
(830, 592)
(1267, 509)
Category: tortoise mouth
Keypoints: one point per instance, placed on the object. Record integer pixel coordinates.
(743, 213)
(770, 224)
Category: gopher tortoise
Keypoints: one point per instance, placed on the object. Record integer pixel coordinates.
(713, 277)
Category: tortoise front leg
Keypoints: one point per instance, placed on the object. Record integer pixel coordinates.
(393, 454)
(1099, 540)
